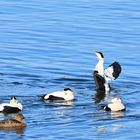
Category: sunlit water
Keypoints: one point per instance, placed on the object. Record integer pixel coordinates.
(48, 45)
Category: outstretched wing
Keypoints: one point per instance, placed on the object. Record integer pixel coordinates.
(99, 81)
(113, 71)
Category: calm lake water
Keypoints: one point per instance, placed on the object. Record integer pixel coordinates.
(48, 45)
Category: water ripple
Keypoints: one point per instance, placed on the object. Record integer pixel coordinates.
(47, 46)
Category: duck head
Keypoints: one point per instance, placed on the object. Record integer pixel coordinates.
(99, 55)
(68, 91)
(19, 117)
(13, 100)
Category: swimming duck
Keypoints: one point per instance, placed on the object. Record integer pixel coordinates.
(115, 105)
(13, 123)
(102, 76)
(65, 95)
(13, 107)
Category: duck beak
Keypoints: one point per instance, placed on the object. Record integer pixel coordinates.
(95, 52)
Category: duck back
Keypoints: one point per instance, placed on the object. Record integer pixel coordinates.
(12, 123)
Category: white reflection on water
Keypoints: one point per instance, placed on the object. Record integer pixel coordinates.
(109, 128)
(118, 114)
(60, 103)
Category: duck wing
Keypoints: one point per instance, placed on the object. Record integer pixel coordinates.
(113, 71)
(54, 98)
(99, 81)
(11, 124)
(58, 95)
(9, 109)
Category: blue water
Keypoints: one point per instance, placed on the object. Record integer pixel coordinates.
(48, 45)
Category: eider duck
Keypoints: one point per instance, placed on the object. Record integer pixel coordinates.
(16, 123)
(65, 95)
(102, 76)
(115, 105)
(13, 107)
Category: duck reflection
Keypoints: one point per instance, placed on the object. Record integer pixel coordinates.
(17, 130)
(60, 103)
(112, 128)
(100, 96)
(118, 114)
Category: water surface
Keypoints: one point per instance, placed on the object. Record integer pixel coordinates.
(48, 45)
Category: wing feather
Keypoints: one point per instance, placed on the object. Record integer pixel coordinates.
(113, 71)
(99, 81)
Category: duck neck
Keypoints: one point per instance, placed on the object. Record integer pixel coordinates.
(99, 66)
(18, 119)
